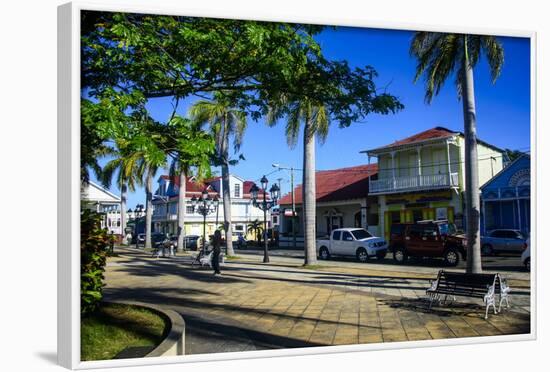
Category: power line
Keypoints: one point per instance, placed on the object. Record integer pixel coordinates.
(423, 165)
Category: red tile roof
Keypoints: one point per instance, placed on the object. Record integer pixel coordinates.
(337, 184)
(433, 133)
(195, 188)
(190, 186)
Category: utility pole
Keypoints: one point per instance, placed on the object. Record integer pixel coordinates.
(293, 208)
(293, 219)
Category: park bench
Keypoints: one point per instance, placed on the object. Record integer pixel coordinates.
(485, 286)
(206, 260)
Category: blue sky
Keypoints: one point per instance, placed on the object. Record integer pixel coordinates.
(503, 108)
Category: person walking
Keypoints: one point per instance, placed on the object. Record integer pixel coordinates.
(216, 243)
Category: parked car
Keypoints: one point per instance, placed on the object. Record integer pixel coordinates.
(429, 238)
(355, 242)
(191, 242)
(526, 255)
(503, 240)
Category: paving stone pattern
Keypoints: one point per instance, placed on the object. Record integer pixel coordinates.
(255, 306)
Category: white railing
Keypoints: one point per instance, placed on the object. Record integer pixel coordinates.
(423, 182)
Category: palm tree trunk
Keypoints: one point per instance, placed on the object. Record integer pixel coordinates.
(308, 196)
(181, 209)
(226, 190)
(148, 207)
(473, 264)
(123, 192)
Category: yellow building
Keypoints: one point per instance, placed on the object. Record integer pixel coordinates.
(422, 176)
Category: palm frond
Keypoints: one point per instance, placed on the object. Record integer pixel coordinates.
(495, 55)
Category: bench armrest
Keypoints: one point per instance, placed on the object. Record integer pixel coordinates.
(433, 285)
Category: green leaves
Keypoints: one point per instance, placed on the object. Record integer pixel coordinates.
(94, 243)
(251, 62)
(440, 55)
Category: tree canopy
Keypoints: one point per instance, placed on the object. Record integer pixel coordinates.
(251, 63)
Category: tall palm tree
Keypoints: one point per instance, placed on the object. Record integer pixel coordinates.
(440, 55)
(225, 122)
(150, 173)
(126, 170)
(193, 158)
(315, 118)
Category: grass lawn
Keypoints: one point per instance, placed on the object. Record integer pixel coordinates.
(115, 327)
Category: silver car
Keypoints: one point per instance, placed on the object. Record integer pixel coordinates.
(503, 240)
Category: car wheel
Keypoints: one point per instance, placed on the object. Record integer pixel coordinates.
(399, 255)
(451, 257)
(527, 264)
(487, 250)
(362, 255)
(324, 253)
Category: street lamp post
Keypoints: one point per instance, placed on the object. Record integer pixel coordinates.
(265, 205)
(204, 206)
(137, 214)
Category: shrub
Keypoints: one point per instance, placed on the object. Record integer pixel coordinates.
(94, 243)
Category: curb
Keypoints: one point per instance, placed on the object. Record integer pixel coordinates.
(174, 342)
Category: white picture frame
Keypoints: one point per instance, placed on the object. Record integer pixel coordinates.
(69, 192)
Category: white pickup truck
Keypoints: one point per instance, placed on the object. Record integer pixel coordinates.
(352, 242)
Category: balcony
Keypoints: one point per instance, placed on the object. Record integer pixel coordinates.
(413, 183)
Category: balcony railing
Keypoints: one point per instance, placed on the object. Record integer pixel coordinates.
(412, 183)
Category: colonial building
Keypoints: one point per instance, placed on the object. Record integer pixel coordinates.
(342, 201)
(165, 206)
(103, 201)
(506, 198)
(422, 176)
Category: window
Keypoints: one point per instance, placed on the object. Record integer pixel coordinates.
(512, 235)
(237, 190)
(447, 229)
(372, 218)
(189, 209)
(395, 216)
(336, 235)
(239, 228)
(415, 232)
(275, 220)
(347, 236)
(361, 234)
(429, 232)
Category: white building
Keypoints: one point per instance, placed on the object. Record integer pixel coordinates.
(165, 204)
(103, 201)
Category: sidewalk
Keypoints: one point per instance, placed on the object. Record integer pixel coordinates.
(258, 306)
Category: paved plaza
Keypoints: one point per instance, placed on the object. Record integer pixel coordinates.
(255, 306)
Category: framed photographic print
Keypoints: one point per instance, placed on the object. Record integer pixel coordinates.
(262, 187)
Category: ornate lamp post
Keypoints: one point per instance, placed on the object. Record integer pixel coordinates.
(265, 205)
(137, 214)
(204, 205)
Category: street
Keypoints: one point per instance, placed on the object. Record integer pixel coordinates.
(511, 264)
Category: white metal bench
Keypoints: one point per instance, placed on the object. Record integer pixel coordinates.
(207, 260)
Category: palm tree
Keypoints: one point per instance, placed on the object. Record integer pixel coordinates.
(224, 122)
(190, 159)
(126, 169)
(256, 227)
(440, 55)
(316, 121)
